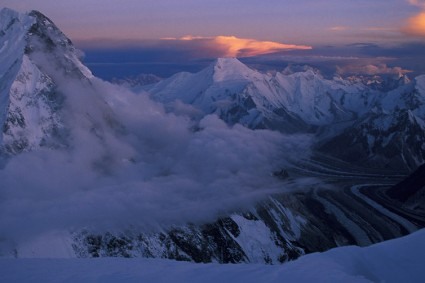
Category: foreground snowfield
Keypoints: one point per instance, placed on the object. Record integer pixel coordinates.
(400, 260)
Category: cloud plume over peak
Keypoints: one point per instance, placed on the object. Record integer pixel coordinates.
(243, 47)
(232, 46)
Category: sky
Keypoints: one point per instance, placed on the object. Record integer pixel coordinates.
(175, 32)
(289, 21)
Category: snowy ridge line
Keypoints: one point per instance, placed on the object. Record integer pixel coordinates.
(350, 120)
(346, 264)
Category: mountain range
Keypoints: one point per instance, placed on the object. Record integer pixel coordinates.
(363, 138)
(351, 119)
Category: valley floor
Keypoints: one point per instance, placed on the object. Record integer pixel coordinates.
(399, 260)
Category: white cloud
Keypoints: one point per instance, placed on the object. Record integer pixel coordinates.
(140, 167)
(370, 69)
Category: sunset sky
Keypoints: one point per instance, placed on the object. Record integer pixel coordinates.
(240, 28)
(287, 21)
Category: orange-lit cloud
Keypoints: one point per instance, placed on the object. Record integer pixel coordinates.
(371, 69)
(250, 47)
(416, 25)
(231, 46)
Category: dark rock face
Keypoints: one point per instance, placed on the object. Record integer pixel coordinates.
(397, 145)
(410, 192)
(278, 230)
(409, 186)
(205, 243)
(57, 50)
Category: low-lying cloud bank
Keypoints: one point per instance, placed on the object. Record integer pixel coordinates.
(128, 163)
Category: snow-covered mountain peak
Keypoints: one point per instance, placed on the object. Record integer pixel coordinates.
(45, 37)
(309, 71)
(40, 70)
(33, 34)
(13, 29)
(307, 74)
(420, 84)
(228, 62)
(231, 69)
(8, 17)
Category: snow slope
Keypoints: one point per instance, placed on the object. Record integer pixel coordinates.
(13, 27)
(239, 94)
(35, 58)
(357, 121)
(399, 260)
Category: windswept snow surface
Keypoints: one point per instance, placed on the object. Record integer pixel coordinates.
(399, 260)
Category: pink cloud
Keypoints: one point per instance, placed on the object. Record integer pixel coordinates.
(231, 46)
(371, 69)
(416, 25)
